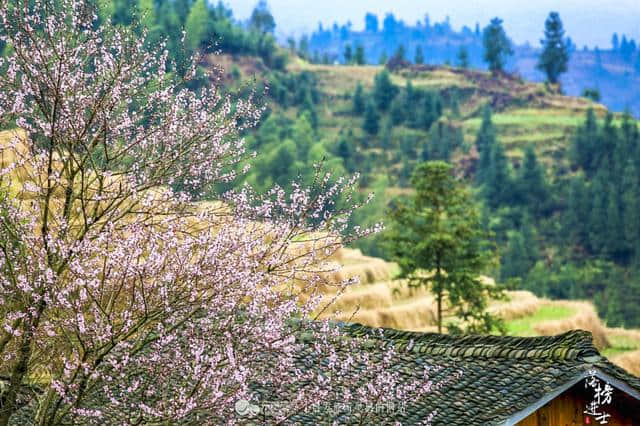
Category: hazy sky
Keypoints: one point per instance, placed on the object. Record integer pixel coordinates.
(590, 22)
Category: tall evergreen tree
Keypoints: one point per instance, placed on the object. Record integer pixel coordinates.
(359, 57)
(585, 143)
(532, 183)
(577, 215)
(371, 120)
(497, 182)
(419, 56)
(196, 26)
(463, 57)
(438, 241)
(358, 100)
(554, 57)
(384, 91)
(261, 19)
(485, 139)
(497, 46)
(631, 208)
(598, 222)
(348, 54)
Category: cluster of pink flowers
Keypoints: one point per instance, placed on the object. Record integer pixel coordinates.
(120, 298)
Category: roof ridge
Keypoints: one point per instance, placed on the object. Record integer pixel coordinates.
(573, 344)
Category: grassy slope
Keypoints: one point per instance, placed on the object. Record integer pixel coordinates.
(524, 113)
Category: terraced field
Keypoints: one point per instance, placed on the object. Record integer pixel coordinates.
(380, 301)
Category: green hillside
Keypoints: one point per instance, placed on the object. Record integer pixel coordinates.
(547, 192)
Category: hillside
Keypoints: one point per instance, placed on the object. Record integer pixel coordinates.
(569, 164)
(613, 70)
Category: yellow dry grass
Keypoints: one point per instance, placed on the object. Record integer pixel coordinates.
(630, 361)
(414, 315)
(586, 319)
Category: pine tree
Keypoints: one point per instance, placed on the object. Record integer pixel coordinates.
(584, 143)
(386, 138)
(555, 52)
(631, 207)
(384, 91)
(196, 25)
(615, 238)
(348, 54)
(383, 58)
(371, 119)
(359, 55)
(358, 100)
(532, 183)
(598, 221)
(439, 231)
(261, 19)
(514, 263)
(497, 184)
(485, 139)
(397, 111)
(497, 46)
(419, 57)
(463, 57)
(577, 214)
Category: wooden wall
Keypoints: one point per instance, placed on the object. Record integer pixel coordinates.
(568, 410)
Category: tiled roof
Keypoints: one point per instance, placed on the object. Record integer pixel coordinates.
(501, 375)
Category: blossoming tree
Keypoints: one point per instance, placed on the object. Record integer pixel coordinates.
(120, 299)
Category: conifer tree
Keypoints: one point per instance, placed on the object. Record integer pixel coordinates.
(419, 56)
(533, 185)
(577, 214)
(485, 139)
(584, 143)
(261, 19)
(497, 181)
(497, 46)
(397, 111)
(631, 208)
(598, 222)
(384, 91)
(359, 57)
(463, 57)
(196, 25)
(438, 241)
(554, 57)
(358, 100)
(348, 54)
(371, 119)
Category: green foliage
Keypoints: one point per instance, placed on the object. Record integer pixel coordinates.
(419, 56)
(497, 46)
(384, 91)
(358, 100)
(438, 241)
(485, 139)
(196, 25)
(532, 186)
(261, 19)
(371, 119)
(359, 57)
(497, 187)
(348, 54)
(554, 57)
(463, 57)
